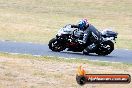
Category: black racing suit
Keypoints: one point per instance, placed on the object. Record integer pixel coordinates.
(89, 30)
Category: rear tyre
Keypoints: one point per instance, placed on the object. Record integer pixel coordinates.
(85, 52)
(56, 45)
(105, 48)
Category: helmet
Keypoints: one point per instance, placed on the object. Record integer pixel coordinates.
(82, 24)
(86, 21)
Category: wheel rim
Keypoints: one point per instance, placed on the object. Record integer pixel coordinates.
(105, 48)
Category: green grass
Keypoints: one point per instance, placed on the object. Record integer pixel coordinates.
(39, 20)
(61, 59)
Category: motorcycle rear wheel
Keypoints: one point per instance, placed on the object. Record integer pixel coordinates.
(106, 48)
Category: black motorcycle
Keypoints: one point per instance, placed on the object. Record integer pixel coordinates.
(67, 38)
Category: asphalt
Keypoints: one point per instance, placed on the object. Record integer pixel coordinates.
(118, 55)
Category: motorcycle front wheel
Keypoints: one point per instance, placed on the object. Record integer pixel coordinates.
(56, 45)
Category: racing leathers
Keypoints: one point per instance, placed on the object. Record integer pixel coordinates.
(89, 30)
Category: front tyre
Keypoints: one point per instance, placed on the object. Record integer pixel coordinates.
(56, 45)
(105, 48)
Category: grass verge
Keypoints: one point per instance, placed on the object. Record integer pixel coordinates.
(27, 71)
(68, 60)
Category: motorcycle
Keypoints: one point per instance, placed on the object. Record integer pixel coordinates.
(68, 38)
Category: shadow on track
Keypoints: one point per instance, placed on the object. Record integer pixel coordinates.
(80, 54)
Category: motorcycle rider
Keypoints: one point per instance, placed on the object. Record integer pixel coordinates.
(88, 30)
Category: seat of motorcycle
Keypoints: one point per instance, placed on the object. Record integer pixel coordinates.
(109, 34)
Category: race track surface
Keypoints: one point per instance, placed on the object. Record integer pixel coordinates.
(118, 55)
